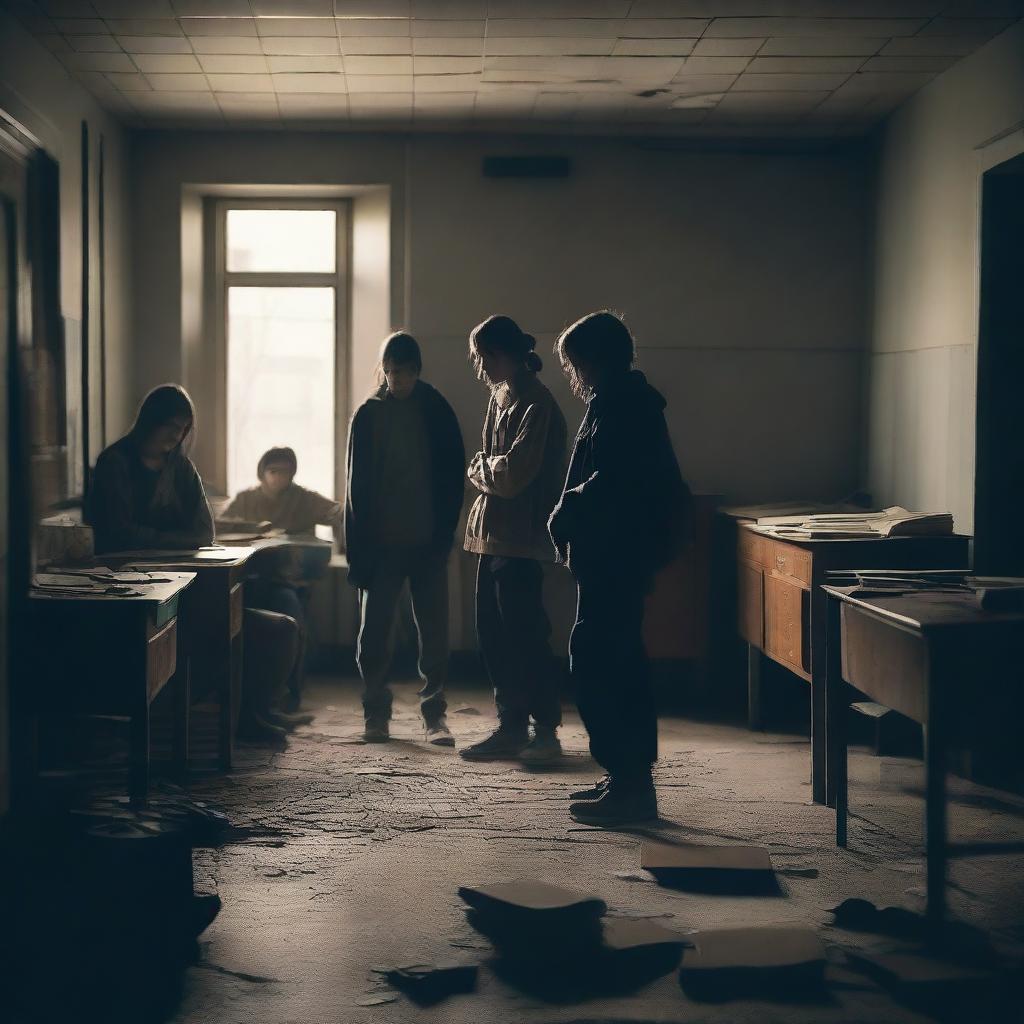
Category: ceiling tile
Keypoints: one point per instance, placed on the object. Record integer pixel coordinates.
(822, 46)
(447, 29)
(549, 45)
(212, 8)
(177, 83)
(133, 8)
(933, 46)
(765, 100)
(805, 65)
(380, 100)
(654, 47)
(446, 83)
(80, 26)
(519, 27)
(129, 81)
(372, 9)
(379, 83)
(55, 43)
(727, 47)
(883, 63)
(69, 8)
(234, 64)
(241, 105)
(447, 65)
(716, 65)
(321, 82)
(986, 27)
(693, 85)
(660, 28)
(144, 26)
(376, 45)
(372, 26)
(561, 8)
(293, 8)
(646, 69)
(94, 44)
(226, 44)
(297, 103)
(448, 47)
(788, 83)
(902, 83)
(700, 101)
(307, 64)
(167, 63)
(241, 83)
(378, 65)
(219, 26)
(984, 9)
(290, 46)
(155, 44)
(296, 27)
(175, 101)
(443, 102)
(746, 27)
(98, 61)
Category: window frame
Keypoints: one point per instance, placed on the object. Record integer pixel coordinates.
(339, 280)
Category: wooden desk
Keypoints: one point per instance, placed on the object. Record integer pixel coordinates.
(309, 555)
(101, 654)
(937, 658)
(781, 607)
(211, 623)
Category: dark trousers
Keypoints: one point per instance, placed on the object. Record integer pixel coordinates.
(426, 569)
(278, 597)
(612, 677)
(272, 648)
(514, 635)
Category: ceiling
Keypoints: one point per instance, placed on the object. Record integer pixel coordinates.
(691, 67)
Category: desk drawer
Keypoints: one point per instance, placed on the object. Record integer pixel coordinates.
(788, 560)
(161, 658)
(750, 603)
(787, 619)
(235, 618)
(750, 546)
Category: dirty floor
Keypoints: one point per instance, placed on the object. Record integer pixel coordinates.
(354, 855)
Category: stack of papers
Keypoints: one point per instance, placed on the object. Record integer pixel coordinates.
(894, 521)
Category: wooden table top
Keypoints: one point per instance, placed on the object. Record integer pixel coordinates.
(928, 612)
(170, 585)
(196, 560)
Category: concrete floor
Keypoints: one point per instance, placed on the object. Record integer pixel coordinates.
(354, 855)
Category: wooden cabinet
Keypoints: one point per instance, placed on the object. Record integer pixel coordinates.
(780, 605)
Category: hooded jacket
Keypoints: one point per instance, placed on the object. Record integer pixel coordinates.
(519, 474)
(625, 508)
(447, 467)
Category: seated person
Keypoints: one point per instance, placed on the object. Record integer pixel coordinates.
(277, 575)
(146, 494)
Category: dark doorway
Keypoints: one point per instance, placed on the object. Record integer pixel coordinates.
(999, 468)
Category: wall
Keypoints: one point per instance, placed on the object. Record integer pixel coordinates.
(741, 273)
(924, 327)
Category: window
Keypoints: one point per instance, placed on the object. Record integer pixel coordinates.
(283, 301)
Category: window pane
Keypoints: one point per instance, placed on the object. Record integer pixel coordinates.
(281, 382)
(281, 240)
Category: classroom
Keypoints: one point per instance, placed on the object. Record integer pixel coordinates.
(509, 511)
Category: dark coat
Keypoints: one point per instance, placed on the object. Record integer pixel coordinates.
(447, 466)
(625, 509)
(131, 508)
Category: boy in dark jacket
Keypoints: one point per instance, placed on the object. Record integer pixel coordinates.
(616, 524)
(406, 465)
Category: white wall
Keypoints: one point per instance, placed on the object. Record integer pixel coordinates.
(742, 275)
(924, 328)
(38, 92)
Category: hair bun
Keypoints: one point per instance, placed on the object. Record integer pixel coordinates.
(533, 361)
(531, 341)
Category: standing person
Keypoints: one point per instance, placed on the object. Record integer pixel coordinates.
(405, 489)
(276, 582)
(616, 524)
(519, 474)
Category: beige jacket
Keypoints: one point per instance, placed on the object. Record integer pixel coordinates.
(519, 474)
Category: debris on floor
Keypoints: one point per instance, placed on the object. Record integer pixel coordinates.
(708, 868)
(427, 984)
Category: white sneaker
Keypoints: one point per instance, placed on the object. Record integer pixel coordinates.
(439, 734)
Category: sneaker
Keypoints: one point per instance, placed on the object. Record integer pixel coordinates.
(439, 734)
(618, 806)
(501, 745)
(544, 748)
(595, 792)
(376, 732)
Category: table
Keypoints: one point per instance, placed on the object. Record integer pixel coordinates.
(105, 654)
(941, 660)
(781, 607)
(211, 621)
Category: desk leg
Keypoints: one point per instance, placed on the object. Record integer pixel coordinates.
(836, 714)
(818, 739)
(935, 790)
(138, 769)
(181, 711)
(225, 713)
(754, 720)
